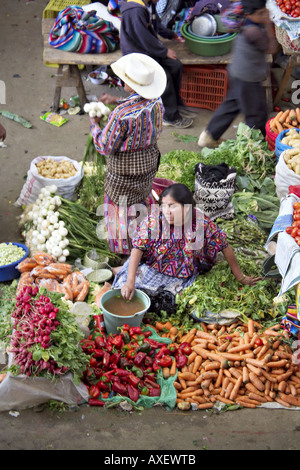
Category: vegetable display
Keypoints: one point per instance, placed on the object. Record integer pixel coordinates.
(126, 364)
(241, 364)
(218, 291)
(294, 229)
(10, 253)
(49, 168)
(42, 271)
(45, 336)
(62, 228)
(290, 7)
(292, 159)
(288, 119)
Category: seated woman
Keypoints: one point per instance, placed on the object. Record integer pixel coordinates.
(172, 246)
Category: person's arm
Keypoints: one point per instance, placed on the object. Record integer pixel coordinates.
(2, 132)
(116, 128)
(236, 270)
(127, 290)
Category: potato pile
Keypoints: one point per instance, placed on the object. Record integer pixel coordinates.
(292, 159)
(292, 138)
(53, 169)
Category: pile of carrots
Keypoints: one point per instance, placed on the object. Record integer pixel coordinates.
(288, 119)
(238, 364)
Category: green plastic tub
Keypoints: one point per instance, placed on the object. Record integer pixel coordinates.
(112, 322)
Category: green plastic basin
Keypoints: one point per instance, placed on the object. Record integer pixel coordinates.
(207, 47)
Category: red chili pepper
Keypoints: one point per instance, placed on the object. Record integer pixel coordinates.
(162, 352)
(117, 341)
(135, 330)
(147, 333)
(87, 345)
(155, 344)
(102, 386)
(95, 402)
(106, 358)
(148, 361)
(133, 380)
(122, 372)
(133, 393)
(165, 361)
(100, 340)
(185, 348)
(154, 392)
(131, 353)
(151, 383)
(98, 372)
(98, 353)
(139, 358)
(181, 360)
(118, 387)
(97, 322)
(94, 391)
(115, 358)
(93, 362)
(172, 348)
(155, 367)
(125, 327)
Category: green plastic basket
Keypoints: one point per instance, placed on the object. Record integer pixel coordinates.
(55, 6)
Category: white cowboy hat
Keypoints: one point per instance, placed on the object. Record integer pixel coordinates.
(141, 73)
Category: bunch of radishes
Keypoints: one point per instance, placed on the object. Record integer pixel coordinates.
(34, 320)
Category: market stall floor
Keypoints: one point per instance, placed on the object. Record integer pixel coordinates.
(27, 90)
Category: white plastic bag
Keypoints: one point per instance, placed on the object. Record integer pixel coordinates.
(35, 182)
(21, 392)
(284, 178)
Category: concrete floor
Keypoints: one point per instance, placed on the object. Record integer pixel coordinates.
(29, 93)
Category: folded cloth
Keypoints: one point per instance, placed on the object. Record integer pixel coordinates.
(78, 31)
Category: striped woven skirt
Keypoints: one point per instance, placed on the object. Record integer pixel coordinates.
(121, 221)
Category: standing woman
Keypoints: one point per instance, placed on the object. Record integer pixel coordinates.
(129, 140)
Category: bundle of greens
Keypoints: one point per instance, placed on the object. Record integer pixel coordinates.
(179, 166)
(248, 153)
(82, 231)
(217, 291)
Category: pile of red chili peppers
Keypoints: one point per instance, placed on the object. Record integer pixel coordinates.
(126, 363)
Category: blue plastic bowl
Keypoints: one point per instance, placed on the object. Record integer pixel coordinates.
(279, 146)
(8, 272)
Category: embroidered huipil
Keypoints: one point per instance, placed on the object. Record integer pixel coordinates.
(135, 124)
(183, 252)
(129, 139)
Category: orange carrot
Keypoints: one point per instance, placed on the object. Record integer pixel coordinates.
(256, 381)
(187, 375)
(204, 406)
(236, 388)
(197, 364)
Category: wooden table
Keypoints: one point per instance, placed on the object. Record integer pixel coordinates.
(68, 74)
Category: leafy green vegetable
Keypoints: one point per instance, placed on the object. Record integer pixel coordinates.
(218, 290)
(7, 306)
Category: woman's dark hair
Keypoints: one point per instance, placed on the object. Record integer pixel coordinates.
(180, 193)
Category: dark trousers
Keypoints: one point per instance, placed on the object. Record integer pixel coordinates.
(247, 98)
(171, 96)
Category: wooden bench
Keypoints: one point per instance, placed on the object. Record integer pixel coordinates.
(68, 74)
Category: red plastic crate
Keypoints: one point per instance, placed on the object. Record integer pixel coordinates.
(203, 87)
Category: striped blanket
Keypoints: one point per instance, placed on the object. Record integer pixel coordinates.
(78, 31)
